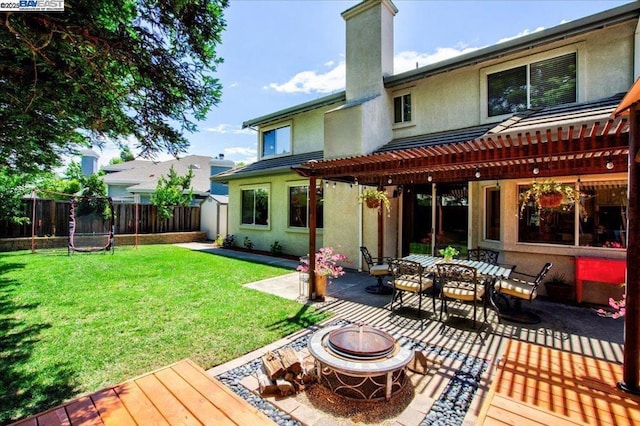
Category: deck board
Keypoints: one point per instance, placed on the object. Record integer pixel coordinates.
(181, 393)
(538, 385)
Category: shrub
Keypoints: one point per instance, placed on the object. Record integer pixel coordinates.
(248, 243)
(276, 248)
(228, 241)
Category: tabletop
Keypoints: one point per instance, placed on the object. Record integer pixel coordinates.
(483, 268)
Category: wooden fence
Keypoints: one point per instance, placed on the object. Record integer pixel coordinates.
(51, 218)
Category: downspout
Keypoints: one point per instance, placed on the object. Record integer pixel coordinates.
(360, 224)
(636, 53)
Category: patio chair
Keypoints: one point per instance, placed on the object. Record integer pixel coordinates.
(483, 255)
(518, 288)
(410, 277)
(379, 268)
(461, 283)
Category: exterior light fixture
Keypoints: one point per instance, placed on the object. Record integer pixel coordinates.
(430, 178)
(334, 184)
(389, 180)
(477, 174)
(326, 184)
(535, 170)
(355, 181)
(609, 164)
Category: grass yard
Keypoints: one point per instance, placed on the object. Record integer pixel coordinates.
(74, 324)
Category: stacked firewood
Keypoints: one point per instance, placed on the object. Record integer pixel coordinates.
(285, 372)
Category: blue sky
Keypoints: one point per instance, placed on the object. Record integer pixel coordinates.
(281, 53)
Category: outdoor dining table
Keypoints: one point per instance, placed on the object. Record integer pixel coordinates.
(487, 270)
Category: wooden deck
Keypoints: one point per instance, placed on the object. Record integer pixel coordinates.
(537, 385)
(181, 393)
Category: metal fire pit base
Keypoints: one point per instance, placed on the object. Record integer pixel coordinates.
(362, 379)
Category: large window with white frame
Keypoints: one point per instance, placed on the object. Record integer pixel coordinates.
(276, 141)
(492, 213)
(597, 219)
(402, 108)
(299, 206)
(539, 83)
(255, 206)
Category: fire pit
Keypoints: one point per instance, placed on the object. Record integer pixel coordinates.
(360, 361)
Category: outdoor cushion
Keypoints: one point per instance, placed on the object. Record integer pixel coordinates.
(379, 269)
(520, 289)
(412, 283)
(462, 291)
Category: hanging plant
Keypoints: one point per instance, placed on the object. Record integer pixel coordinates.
(374, 197)
(549, 194)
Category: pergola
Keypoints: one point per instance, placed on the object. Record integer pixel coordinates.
(564, 142)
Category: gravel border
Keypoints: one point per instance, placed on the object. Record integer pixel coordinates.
(448, 410)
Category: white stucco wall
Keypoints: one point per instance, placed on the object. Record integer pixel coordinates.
(453, 100)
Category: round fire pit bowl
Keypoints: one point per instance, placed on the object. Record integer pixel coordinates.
(359, 361)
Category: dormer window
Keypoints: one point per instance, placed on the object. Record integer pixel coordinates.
(276, 141)
(402, 108)
(537, 84)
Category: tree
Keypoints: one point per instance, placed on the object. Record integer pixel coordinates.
(105, 69)
(173, 190)
(126, 154)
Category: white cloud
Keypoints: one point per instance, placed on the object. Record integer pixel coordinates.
(334, 79)
(520, 34)
(232, 129)
(243, 154)
(314, 82)
(406, 61)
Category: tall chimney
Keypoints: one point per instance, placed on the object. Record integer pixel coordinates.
(369, 47)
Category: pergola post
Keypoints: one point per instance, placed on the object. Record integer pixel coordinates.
(380, 231)
(631, 359)
(313, 201)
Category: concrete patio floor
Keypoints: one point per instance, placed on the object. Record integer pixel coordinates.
(570, 328)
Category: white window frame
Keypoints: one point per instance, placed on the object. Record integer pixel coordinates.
(403, 123)
(266, 187)
(298, 184)
(485, 189)
(267, 129)
(581, 65)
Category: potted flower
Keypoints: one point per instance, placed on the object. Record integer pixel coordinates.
(373, 197)
(549, 194)
(326, 268)
(448, 253)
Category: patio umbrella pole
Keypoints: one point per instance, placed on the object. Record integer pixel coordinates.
(631, 359)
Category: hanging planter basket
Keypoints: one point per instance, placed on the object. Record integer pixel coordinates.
(550, 200)
(372, 203)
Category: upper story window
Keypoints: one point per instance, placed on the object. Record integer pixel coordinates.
(543, 83)
(276, 141)
(402, 108)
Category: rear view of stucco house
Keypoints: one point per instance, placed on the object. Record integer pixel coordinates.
(453, 144)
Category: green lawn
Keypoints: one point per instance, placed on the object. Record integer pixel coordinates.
(74, 324)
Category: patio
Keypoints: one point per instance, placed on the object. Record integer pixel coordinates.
(456, 355)
(563, 370)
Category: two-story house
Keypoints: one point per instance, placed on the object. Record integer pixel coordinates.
(453, 144)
